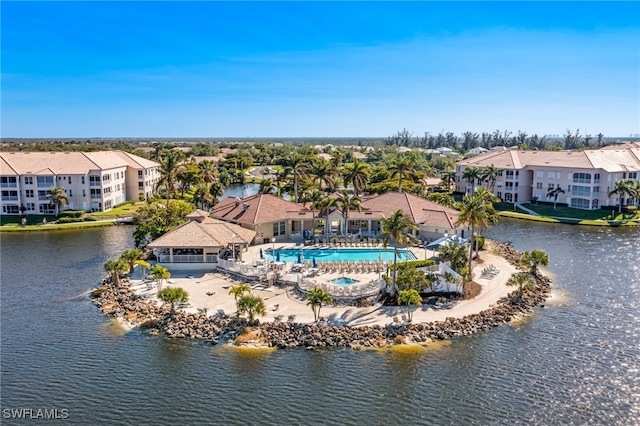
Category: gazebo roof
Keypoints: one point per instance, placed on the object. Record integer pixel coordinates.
(208, 233)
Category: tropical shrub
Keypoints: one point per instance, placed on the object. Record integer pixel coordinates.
(71, 213)
(70, 220)
(90, 219)
(173, 295)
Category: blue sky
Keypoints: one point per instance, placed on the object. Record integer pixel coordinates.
(306, 69)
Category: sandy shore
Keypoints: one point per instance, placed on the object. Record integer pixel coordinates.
(210, 291)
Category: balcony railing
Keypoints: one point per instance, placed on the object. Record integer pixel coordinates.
(9, 198)
(9, 185)
(188, 258)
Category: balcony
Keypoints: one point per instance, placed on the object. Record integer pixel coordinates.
(9, 198)
(9, 185)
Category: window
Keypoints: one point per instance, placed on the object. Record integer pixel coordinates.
(46, 209)
(581, 190)
(279, 228)
(539, 173)
(582, 178)
(94, 180)
(107, 190)
(84, 192)
(509, 174)
(580, 203)
(82, 179)
(28, 180)
(550, 186)
(31, 206)
(538, 185)
(96, 193)
(42, 195)
(596, 178)
(8, 182)
(70, 193)
(140, 185)
(508, 197)
(106, 177)
(44, 181)
(96, 207)
(28, 193)
(9, 195)
(509, 186)
(107, 204)
(499, 172)
(499, 195)
(596, 190)
(10, 209)
(517, 184)
(139, 174)
(633, 175)
(594, 204)
(551, 175)
(69, 179)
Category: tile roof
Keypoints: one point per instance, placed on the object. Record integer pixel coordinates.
(70, 162)
(420, 211)
(611, 160)
(259, 208)
(209, 233)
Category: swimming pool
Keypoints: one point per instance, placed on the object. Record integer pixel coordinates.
(334, 254)
(344, 281)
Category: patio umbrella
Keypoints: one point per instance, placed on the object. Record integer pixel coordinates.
(277, 256)
(261, 254)
(315, 264)
(299, 258)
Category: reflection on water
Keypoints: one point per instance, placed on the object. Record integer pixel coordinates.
(574, 361)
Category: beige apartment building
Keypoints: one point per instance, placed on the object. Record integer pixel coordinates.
(586, 177)
(93, 181)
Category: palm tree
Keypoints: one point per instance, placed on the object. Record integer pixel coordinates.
(522, 280)
(314, 198)
(490, 174)
(555, 192)
(401, 168)
(323, 173)
(202, 195)
(532, 259)
(144, 267)
(357, 174)
(114, 268)
(471, 174)
(238, 291)
(477, 210)
(170, 162)
(189, 175)
(316, 297)
(267, 186)
(160, 273)
(622, 187)
(448, 177)
(57, 197)
(409, 297)
(297, 167)
(456, 255)
(397, 228)
(281, 177)
(251, 305)
(209, 170)
(173, 295)
(130, 256)
(345, 203)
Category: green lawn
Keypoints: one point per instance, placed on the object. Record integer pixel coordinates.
(122, 210)
(564, 211)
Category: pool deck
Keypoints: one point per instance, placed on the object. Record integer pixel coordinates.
(210, 290)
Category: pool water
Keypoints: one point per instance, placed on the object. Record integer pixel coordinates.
(335, 254)
(344, 281)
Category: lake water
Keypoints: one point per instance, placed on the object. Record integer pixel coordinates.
(574, 361)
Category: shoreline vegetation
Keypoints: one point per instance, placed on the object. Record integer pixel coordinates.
(120, 301)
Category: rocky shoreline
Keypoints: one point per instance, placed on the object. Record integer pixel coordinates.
(121, 301)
